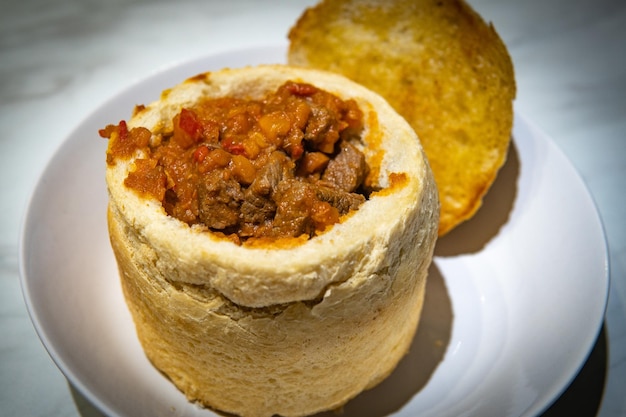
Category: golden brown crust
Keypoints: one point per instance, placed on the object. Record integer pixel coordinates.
(289, 331)
(440, 66)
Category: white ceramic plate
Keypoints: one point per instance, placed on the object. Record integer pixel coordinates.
(515, 298)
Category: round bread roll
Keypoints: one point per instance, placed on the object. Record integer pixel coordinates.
(268, 329)
(441, 66)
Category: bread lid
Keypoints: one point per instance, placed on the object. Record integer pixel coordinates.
(441, 66)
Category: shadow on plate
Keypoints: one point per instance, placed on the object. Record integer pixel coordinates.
(84, 407)
(583, 397)
(472, 235)
(409, 377)
(415, 369)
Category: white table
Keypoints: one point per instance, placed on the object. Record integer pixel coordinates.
(60, 60)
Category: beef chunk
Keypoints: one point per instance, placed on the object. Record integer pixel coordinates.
(256, 209)
(293, 203)
(257, 206)
(319, 124)
(219, 199)
(296, 198)
(341, 200)
(348, 169)
(278, 167)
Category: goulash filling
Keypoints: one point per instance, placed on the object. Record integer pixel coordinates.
(284, 166)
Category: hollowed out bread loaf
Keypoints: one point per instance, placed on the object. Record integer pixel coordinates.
(280, 329)
(441, 66)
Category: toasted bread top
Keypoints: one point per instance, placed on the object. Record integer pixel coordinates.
(441, 66)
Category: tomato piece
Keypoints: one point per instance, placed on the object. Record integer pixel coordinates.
(189, 123)
(187, 129)
(301, 89)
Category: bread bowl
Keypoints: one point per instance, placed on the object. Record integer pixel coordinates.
(290, 328)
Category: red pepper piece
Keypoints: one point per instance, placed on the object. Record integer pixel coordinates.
(201, 153)
(301, 89)
(234, 148)
(123, 130)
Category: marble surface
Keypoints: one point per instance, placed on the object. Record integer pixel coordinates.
(60, 60)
